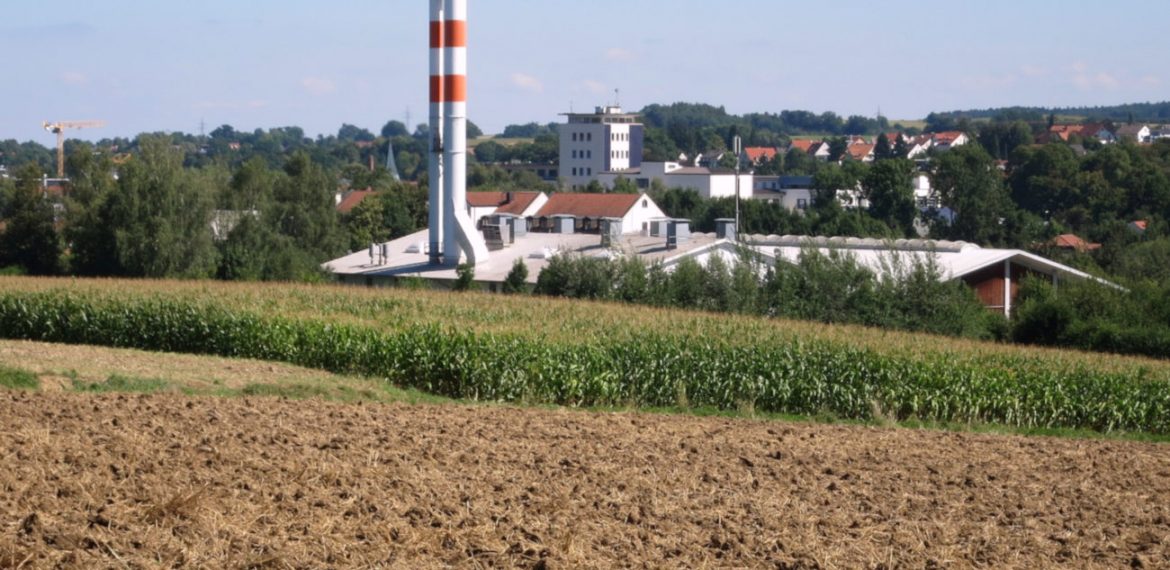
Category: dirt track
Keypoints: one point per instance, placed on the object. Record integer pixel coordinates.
(163, 481)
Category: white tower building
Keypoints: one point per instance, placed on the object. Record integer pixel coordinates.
(603, 141)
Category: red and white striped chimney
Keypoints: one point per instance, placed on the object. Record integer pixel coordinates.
(459, 233)
(435, 162)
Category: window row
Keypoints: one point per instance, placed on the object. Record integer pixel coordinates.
(619, 154)
(619, 136)
(582, 171)
(582, 137)
(583, 154)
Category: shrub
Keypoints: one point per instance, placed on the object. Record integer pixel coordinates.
(516, 280)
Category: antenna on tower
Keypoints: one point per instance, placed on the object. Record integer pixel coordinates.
(617, 97)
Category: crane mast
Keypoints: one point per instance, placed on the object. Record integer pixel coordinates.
(58, 128)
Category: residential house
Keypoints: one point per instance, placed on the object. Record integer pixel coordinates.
(918, 145)
(757, 155)
(862, 152)
(820, 151)
(947, 140)
(1134, 133)
(793, 192)
(803, 145)
(1101, 132)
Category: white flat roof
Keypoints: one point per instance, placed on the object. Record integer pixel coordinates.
(534, 248)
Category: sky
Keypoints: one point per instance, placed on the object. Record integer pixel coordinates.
(164, 65)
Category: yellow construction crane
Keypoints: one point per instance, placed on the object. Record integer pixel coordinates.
(59, 128)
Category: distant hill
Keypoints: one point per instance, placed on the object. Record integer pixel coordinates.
(1142, 112)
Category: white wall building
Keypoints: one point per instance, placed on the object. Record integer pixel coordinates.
(602, 141)
(523, 204)
(706, 182)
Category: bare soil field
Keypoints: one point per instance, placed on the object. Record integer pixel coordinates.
(166, 480)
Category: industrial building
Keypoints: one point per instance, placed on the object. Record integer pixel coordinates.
(707, 182)
(535, 228)
(603, 141)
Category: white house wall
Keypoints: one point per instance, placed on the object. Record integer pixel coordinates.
(638, 218)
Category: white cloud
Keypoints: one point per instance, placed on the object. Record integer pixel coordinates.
(74, 78)
(619, 54)
(595, 87)
(318, 85)
(527, 83)
(1151, 80)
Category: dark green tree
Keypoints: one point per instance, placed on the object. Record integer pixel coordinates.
(882, 150)
(889, 189)
(968, 182)
(901, 148)
(303, 209)
(1041, 180)
(30, 239)
(491, 152)
(394, 129)
(837, 148)
(90, 239)
(160, 215)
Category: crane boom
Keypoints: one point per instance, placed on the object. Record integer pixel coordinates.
(58, 128)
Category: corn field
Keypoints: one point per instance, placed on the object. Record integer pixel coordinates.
(599, 355)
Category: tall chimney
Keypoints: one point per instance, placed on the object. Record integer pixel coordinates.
(435, 163)
(459, 233)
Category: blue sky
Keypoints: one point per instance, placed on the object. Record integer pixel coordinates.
(165, 65)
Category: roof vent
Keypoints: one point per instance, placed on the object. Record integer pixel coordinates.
(563, 224)
(611, 231)
(677, 230)
(725, 228)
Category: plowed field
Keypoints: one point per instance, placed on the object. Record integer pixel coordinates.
(146, 481)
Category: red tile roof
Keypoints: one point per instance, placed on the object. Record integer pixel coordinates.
(520, 202)
(947, 137)
(485, 199)
(1070, 241)
(351, 200)
(758, 153)
(805, 145)
(504, 202)
(589, 205)
(860, 151)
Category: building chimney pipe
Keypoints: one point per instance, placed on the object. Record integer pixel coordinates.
(436, 203)
(459, 233)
